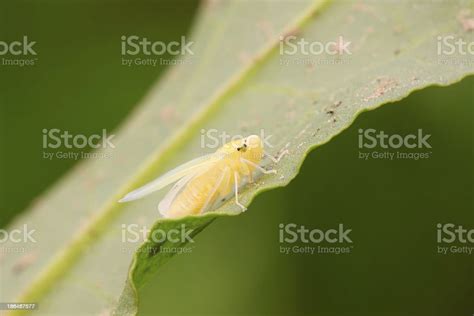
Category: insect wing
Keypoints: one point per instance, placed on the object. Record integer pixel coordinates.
(189, 168)
(164, 205)
(215, 194)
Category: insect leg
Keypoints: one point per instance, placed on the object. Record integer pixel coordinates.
(236, 189)
(277, 159)
(257, 166)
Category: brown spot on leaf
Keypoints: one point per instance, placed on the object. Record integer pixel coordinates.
(384, 85)
(24, 262)
(267, 29)
(466, 20)
(167, 114)
(330, 110)
(244, 57)
(293, 32)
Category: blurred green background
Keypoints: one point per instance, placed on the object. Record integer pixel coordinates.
(236, 268)
(78, 83)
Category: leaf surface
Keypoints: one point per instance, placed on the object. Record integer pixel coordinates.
(239, 82)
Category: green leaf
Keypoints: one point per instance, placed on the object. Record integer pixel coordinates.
(236, 82)
(151, 255)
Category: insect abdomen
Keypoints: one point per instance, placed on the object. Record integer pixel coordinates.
(196, 194)
(202, 191)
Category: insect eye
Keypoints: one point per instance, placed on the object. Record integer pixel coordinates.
(242, 148)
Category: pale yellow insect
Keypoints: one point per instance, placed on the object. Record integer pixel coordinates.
(205, 181)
